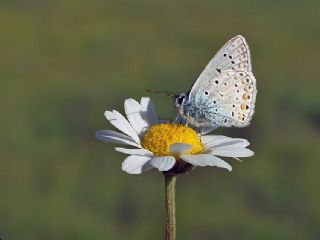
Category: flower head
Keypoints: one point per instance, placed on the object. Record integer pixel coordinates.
(160, 137)
(169, 147)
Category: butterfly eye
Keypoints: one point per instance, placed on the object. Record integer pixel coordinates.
(180, 100)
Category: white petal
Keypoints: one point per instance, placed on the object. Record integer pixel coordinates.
(211, 141)
(206, 160)
(164, 163)
(208, 139)
(149, 108)
(136, 164)
(139, 151)
(180, 148)
(237, 142)
(231, 151)
(233, 142)
(117, 120)
(114, 137)
(136, 116)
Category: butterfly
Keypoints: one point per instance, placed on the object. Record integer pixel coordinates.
(224, 94)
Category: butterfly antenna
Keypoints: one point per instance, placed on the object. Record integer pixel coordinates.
(168, 93)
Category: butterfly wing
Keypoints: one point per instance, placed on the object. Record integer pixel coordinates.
(234, 55)
(225, 92)
(234, 95)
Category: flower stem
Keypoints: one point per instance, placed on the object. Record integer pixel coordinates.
(170, 204)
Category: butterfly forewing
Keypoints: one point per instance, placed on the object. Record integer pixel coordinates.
(234, 55)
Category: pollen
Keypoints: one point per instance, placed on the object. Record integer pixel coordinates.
(160, 137)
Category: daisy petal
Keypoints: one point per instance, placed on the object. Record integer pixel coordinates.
(214, 141)
(139, 151)
(117, 120)
(136, 164)
(136, 116)
(231, 151)
(164, 163)
(237, 142)
(180, 148)
(206, 160)
(208, 139)
(114, 137)
(149, 108)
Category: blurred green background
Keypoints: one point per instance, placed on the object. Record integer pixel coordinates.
(64, 62)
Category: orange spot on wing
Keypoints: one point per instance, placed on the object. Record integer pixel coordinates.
(246, 96)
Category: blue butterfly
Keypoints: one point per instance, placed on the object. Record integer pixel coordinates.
(224, 95)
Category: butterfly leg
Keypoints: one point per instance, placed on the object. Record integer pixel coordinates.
(180, 120)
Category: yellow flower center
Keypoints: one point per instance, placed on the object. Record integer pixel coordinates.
(160, 137)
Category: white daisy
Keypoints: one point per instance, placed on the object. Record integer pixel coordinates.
(166, 146)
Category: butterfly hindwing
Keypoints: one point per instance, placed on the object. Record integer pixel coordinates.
(227, 100)
(235, 95)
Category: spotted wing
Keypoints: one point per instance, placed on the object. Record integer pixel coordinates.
(231, 97)
(234, 55)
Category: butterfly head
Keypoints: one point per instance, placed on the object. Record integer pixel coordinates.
(180, 99)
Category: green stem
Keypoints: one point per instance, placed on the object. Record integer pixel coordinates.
(170, 204)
